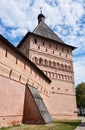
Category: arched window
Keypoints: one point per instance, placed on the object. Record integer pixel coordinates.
(50, 63)
(46, 62)
(39, 47)
(59, 76)
(36, 60)
(40, 61)
(35, 40)
(66, 68)
(62, 66)
(54, 64)
(58, 65)
(33, 59)
(69, 68)
(62, 77)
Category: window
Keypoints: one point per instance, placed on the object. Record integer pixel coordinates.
(66, 55)
(40, 61)
(35, 40)
(54, 64)
(59, 76)
(46, 62)
(60, 53)
(16, 60)
(66, 67)
(36, 60)
(49, 74)
(58, 65)
(50, 63)
(69, 68)
(53, 51)
(6, 53)
(66, 89)
(24, 65)
(62, 66)
(39, 47)
(62, 77)
(43, 43)
(46, 49)
(58, 88)
(52, 87)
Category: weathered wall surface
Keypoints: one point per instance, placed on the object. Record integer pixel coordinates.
(15, 72)
(11, 102)
(13, 66)
(55, 60)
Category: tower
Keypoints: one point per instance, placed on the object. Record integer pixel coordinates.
(54, 58)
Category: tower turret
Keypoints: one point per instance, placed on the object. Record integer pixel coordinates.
(41, 18)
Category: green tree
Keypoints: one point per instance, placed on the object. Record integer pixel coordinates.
(80, 95)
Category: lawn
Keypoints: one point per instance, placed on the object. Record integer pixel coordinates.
(58, 125)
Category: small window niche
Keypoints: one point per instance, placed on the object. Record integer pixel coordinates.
(6, 53)
(35, 40)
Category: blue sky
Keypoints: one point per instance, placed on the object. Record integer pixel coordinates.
(65, 17)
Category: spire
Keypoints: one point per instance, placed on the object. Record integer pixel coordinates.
(41, 17)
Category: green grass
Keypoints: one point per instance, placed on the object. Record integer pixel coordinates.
(57, 125)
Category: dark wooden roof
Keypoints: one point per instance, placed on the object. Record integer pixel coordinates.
(24, 57)
(33, 34)
(40, 104)
(43, 30)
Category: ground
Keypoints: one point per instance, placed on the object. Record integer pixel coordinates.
(57, 125)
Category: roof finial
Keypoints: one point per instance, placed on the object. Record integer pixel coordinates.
(41, 10)
(41, 17)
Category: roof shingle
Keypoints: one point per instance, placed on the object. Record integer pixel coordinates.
(43, 30)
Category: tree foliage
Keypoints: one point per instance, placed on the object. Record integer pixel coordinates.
(80, 95)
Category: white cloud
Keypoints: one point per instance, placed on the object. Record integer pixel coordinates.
(66, 17)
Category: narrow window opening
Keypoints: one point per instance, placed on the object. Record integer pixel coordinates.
(24, 66)
(35, 40)
(16, 60)
(6, 53)
(46, 49)
(60, 53)
(39, 47)
(43, 43)
(66, 56)
(66, 89)
(58, 88)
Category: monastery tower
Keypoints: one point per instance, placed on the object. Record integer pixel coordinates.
(54, 58)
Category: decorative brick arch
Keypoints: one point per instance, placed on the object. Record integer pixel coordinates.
(69, 68)
(36, 60)
(59, 76)
(58, 65)
(62, 67)
(54, 64)
(50, 63)
(41, 60)
(46, 62)
(66, 67)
